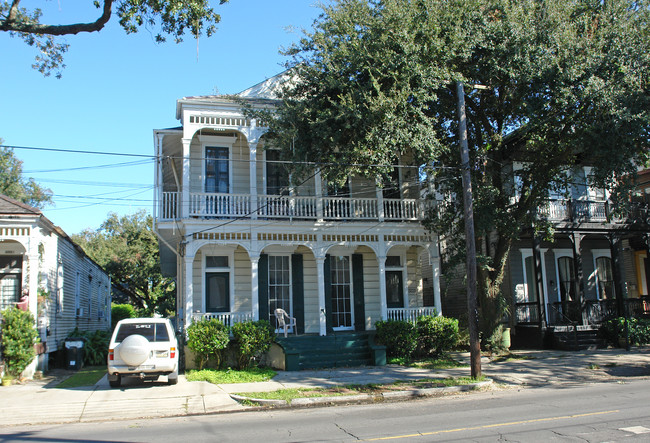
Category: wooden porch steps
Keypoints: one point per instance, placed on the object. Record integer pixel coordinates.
(331, 351)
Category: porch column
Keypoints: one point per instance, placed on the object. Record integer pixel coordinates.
(255, 287)
(380, 203)
(577, 263)
(318, 181)
(157, 213)
(437, 302)
(185, 191)
(32, 260)
(539, 280)
(188, 292)
(253, 182)
(618, 272)
(382, 287)
(320, 272)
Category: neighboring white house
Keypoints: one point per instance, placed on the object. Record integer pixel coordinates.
(42, 270)
(242, 241)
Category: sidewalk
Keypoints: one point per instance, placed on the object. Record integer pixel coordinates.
(39, 402)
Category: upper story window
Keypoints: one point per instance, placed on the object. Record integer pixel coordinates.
(277, 176)
(217, 169)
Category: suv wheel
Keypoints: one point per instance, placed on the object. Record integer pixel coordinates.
(116, 382)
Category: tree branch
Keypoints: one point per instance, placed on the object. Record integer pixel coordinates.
(10, 24)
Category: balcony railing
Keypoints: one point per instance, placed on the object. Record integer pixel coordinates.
(559, 210)
(227, 318)
(289, 207)
(410, 314)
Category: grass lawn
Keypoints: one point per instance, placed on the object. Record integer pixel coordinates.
(222, 376)
(428, 363)
(87, 376)
(290, 394)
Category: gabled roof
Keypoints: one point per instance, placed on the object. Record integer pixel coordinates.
(268, 89)
(10, 206)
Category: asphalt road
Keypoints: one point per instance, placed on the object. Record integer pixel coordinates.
(604, 412)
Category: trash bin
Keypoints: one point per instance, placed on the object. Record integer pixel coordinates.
(74, 353)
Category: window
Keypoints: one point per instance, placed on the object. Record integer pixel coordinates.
(567, 278)
(217, 169)
(531, 286)
(154, 332)
(217, 283)
(391, 184)
(279, 285)
(604, 278)
(10, 280)
(394, 282)
(341, 292)
(277, 176)
(77, 295)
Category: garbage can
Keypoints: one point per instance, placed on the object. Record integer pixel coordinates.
(74, 353)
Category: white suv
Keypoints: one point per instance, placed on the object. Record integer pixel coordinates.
(144, 348)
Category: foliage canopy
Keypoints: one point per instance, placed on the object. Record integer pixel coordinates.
(172, 18)
(127, 248)
(567, 82)
(12, 183)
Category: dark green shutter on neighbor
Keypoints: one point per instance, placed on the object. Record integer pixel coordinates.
(328, 294)
(297, 283)
(357, 288)
(263, 285)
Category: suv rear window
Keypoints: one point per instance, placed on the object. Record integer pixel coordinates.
(151, 331)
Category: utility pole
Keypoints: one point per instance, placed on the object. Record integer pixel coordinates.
(472, 307)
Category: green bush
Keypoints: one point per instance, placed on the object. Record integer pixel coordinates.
(18, 339)
(399, 337)
(436, 335)
(207, 338)
(120, 312)
(95, 345)
(251, 340)
(639, 330)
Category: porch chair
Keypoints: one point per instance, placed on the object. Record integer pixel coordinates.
(280, 323)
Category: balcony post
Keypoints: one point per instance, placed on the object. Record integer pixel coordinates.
(578, 269)
(319, 198)
(253, 181)
(185, 191)
(435, 262)
(188, 289)
(380, 202)
(158, 211)
(382, 287)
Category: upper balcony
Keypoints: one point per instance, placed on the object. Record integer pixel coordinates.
(590, 211)
(287, 207)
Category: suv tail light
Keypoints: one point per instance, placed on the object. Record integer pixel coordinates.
(172, 352)
(111, 356)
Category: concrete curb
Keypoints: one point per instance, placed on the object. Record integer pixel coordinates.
(362, 398)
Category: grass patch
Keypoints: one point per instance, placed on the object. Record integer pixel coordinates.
(336, 391)
(593, 366)
(428, 363)
(222, 376)
(84, 377)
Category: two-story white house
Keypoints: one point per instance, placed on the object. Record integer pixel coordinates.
(242, 239)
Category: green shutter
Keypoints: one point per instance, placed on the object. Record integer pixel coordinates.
(357, 290)
(263, 285)
(297, 283)
(328, 294)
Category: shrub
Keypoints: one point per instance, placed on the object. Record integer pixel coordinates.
(120, 312)
(252, 339)
(436, 335)
(207, 338)
(18, 339)
(399, 337)
(95, 345)
(639, 330)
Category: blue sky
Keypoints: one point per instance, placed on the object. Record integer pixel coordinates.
(117, 88)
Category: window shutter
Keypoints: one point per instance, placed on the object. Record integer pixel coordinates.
(328, 294)
(297, 283)
(357, 289)
(263, 285)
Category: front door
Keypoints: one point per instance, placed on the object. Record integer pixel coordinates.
(217, 291)
(342, 308)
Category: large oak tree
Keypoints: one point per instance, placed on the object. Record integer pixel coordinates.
(14, 185)
(172, 18)
(567, 84)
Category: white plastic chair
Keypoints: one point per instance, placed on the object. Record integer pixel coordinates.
(284, 321)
